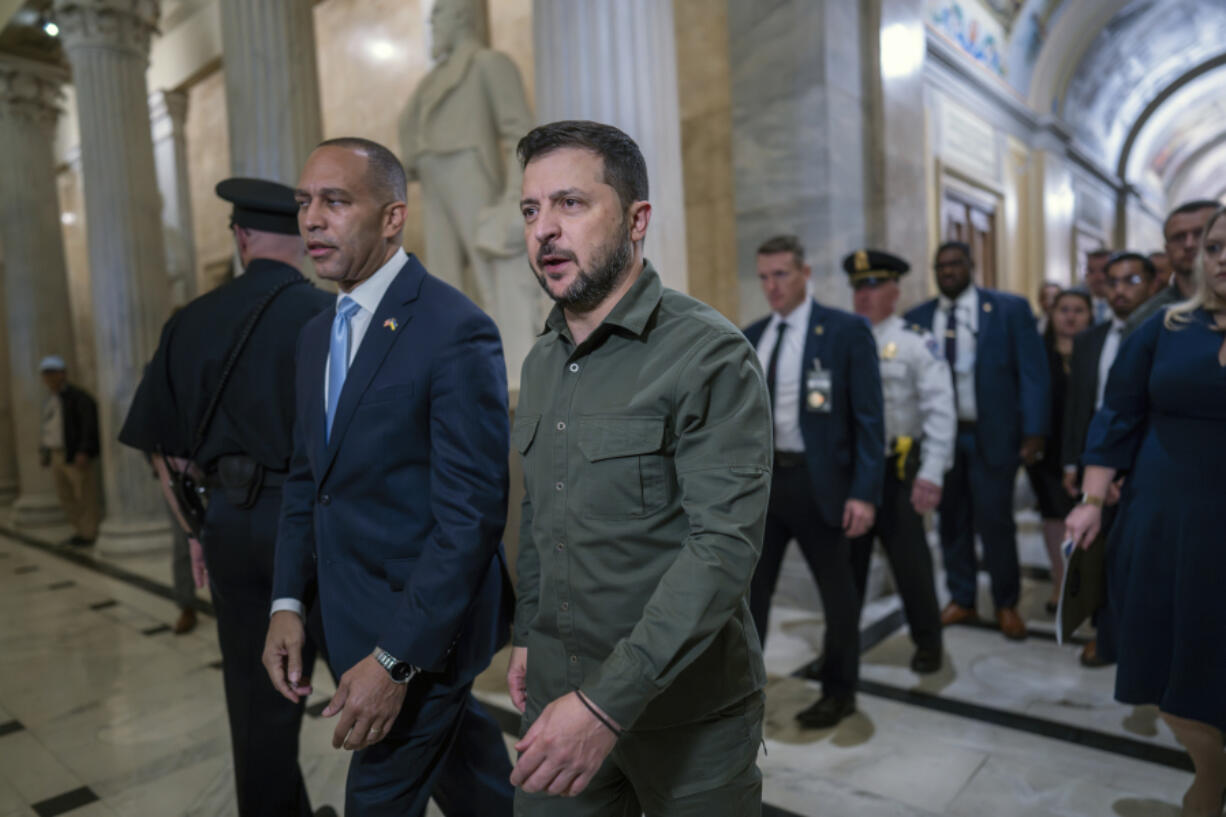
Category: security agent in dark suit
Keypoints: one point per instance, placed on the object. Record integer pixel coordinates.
(825, 387)
(1001, 384)
(1131, 280)
(395, 503)
(244, 457)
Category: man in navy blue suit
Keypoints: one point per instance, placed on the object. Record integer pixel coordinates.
(395, 500)
(1001, 388)
(825, 388)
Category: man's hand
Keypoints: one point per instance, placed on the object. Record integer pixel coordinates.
(283, 655)
(517, 677)
(200, 570)
(369, 701)
(1082, 525)
(563, 749)
(925, 496)
(1032, 450)
(858, 518)
(81, 460)
(1069, 480)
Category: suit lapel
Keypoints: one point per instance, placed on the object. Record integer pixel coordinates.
(986, 323)
(314, 361)
(815, 346)
(395, 310)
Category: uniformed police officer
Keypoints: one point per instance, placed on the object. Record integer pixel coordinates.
(920, 426)
(244, 456)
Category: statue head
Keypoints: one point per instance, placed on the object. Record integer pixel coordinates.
(450, 22)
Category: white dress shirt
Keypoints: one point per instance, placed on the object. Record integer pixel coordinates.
(786, 409)
(966, 313)
(52, 436)
(368, 295)
(1111, 348)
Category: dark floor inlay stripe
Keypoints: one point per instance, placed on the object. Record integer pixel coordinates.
(9, 727)
(102, 605)
(314, 710)
(86, 560)
(62, 585)
(1032, 632)
(1079, 735)
(160, 628)
(26, 569)
(215, 664)
(66, 802)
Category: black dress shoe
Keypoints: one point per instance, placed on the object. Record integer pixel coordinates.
(812, 670)
(827, 712)
(80, 541)
(325, 811)
(926, 660)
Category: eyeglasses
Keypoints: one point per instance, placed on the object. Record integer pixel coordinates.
(1130, 280)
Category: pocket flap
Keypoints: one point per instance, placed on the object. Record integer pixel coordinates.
(399, 571)
(523, 431)
(602, 438)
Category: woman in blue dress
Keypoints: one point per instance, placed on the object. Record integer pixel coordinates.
(1163, 421)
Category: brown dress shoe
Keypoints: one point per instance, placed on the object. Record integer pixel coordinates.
(1011, 624)
(1090, 657)
(955, 613)
(186, 622)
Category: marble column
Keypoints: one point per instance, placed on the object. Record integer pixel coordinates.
(797, 137)
(272, 86)
(35, 274)
(107, 43)
(897, 215)
(615, 61)
(167, 115)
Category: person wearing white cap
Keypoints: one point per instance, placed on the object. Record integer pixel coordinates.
(69, 446)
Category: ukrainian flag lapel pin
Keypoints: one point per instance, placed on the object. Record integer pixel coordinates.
(391, 324)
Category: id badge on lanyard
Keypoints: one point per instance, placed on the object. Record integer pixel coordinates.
(817, 389)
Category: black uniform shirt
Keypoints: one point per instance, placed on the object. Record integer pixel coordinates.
(256, 413)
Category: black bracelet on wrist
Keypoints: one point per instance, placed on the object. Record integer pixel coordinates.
(596, 714)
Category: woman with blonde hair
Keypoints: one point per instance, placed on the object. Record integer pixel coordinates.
(1163, 422)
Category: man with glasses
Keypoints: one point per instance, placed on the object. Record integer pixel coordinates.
(1131, 279)
(1001, 390)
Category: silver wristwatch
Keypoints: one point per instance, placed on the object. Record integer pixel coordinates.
(401, 671)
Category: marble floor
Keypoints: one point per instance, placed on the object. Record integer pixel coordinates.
(104, 712)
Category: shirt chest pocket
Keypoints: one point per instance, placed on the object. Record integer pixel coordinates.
(624, 474)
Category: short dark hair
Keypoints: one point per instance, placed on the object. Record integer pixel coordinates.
(784, 243)
(384, 171)
(1129, 255)
(960, 246)
(625, 169)
(1193, 206)
(1099, 252)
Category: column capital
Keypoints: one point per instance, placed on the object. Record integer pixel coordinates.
(167, 113)
(30, 91)
(123, 25)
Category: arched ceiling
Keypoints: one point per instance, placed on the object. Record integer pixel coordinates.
(1148, 96)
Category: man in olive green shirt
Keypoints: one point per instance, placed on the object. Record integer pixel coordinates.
(646, 439)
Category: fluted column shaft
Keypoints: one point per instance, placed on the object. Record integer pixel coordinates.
(35, 274)
(615, 61)
(8, 453)
(107, 42)
(272, 86)
(167, 116)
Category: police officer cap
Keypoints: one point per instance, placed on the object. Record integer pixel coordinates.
(261, 205)
(873, 267)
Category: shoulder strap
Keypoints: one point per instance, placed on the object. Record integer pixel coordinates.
(232, 360)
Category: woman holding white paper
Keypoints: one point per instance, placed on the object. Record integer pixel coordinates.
(1163, 421)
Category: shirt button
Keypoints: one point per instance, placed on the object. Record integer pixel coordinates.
(561, 426)
(561, 546)
(325, 499)
(574, 659)
(565, 606)
(574, 367)
(557, 486)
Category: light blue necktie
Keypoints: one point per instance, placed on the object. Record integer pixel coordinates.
(338, 356)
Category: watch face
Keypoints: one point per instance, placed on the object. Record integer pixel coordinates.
(401, 672)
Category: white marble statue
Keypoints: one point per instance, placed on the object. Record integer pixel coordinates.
(458, 137)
